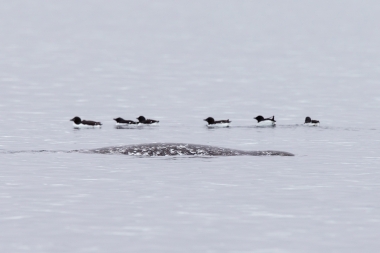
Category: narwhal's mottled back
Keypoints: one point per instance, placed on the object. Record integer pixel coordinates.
(177, 149)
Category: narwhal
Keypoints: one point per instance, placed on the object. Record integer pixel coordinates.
(180, 149)
(164, 149)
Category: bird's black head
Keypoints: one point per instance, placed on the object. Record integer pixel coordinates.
(210, 120)
(118, 119)
(76, 120)
(307, 120)
(141, 119)
(259, 118)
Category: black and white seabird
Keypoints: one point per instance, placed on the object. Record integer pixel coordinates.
(310, 122)
(261, 121)
(143, 120)
(78, 123)
(217, 123)
(123, 122)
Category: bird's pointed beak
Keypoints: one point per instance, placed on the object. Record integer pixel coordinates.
(72, 120)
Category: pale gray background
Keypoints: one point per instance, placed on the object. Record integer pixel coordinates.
(180, 62)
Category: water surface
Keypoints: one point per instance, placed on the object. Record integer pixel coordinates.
(180, 62)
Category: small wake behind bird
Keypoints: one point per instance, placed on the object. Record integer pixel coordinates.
(165, 149)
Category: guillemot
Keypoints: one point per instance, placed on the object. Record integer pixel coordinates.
(261, 121)
(217, 123)
(143, 120)
(310, 122)
(78, 123)
(123, 122)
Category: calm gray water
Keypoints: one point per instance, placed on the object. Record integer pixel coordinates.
(180, 62)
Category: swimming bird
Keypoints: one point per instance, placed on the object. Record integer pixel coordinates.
(123, 122)
(78, 123)
(310, 122)
(261, 121)
(143, 120)
(217, 123)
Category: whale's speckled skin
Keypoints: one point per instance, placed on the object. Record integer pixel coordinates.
(177, 149)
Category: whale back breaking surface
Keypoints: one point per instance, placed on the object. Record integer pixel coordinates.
(178, 149)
